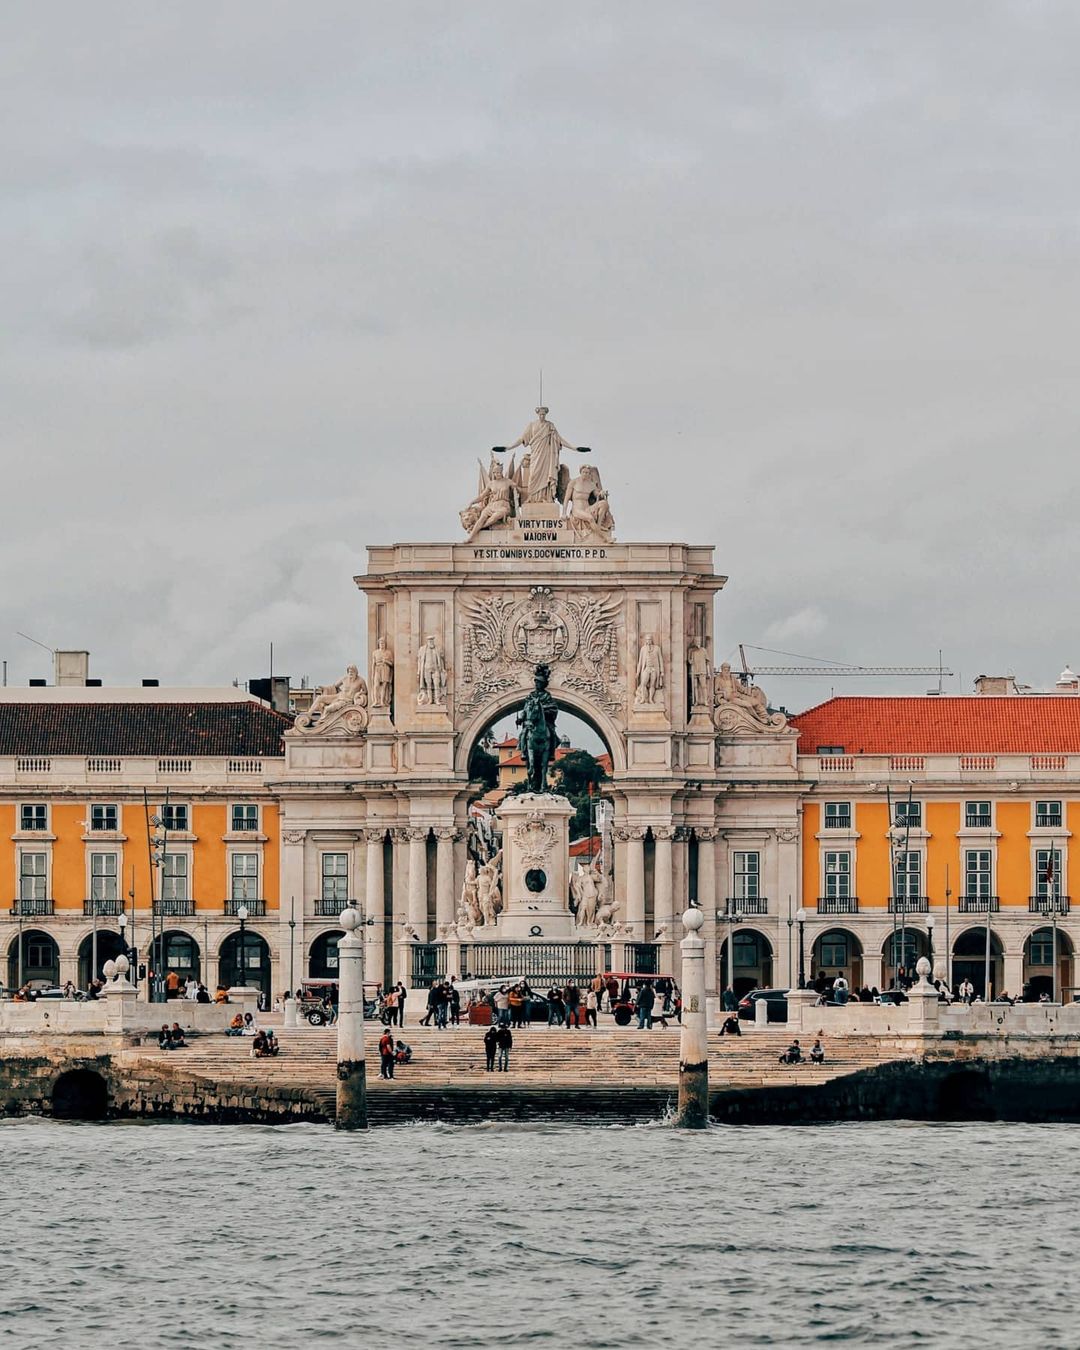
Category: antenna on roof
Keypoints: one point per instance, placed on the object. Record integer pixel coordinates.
(50, 650)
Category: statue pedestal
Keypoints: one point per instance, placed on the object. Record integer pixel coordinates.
(535, 868)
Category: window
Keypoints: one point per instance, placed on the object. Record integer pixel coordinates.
(1041, 949)
(977, 877)
(34, 816)
(837, 877)
(908, 880)
(830, 750)
(174, 876)
(32, 876)
(40, 955)
(245, 876)
(1048, 815)
(245, 817)
(176, 816)
(1047, 873)
(747, 876)
(744, 951)
(335, 877)
(907, 815)
(976, 815)
(104, 817)
(834, 949)
(838, 815)
(103, 876)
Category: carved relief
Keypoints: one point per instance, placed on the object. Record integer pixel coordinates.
(292, 836)
(339, 709)
(535, 837)
(503, 639)
(741, 706)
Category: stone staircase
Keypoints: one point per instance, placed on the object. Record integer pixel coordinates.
(606, 1063)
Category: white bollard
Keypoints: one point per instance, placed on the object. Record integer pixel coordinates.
(291, 1018)
(351, 1107)
(761, 1014)
(693, 1038)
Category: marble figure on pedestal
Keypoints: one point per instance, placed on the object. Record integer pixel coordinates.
(382, 675)
(650, 673)
(431, 674)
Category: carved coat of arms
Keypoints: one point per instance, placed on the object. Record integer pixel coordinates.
(535, 837)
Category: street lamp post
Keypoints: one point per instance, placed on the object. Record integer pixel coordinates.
(123, 923)
(292, 945)
(801, 917)
(733, 917)
(930, 941)
(242, 915)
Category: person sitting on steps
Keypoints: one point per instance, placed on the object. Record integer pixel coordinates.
(817, 1052)
(793, 1054)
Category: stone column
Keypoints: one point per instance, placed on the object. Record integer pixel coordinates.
(634, 915)
(418, 880)
(664, 879)
(693, 1036)
(377, 935)
(291, 907)
(444, 877)
(706, 895)
(402, 961)
(351, 1112)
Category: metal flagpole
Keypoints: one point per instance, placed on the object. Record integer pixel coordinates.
(948, 944)
(1051, 871)
(907, 876)
(892, 878)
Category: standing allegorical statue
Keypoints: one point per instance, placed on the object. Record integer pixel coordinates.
(469, 910)
(382, 675)
(650, 672)
(488, 890)
(697, 662)
(431, 674)
(541, 483)
(537, 722)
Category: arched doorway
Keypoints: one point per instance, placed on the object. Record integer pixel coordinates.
(969, 961)
(323, 957)
(901, 951)
(1039, 965)
(253, 970)
(80, 1094)
(109, 947)
(40, 960)
(175, 950)
(752, 962)
(837, 952)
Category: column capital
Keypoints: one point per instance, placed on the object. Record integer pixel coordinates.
(399, 834)
(375, 834)
(706, 833)
(447, 832)
(633, 833)
(664, 832)
(293, 836)
(416, 833)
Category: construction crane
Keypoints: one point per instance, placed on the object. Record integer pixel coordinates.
(827, 667)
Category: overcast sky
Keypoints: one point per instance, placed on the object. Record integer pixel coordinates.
(805, 276)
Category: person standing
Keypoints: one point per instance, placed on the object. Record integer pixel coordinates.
(572, 999)
(386, 1054)
(432, 1000)
(502, 1006)
(590, 1008)
(491, 1038)
(390, 1006)
(730, 1002)
(504, 1039)
(455, 1004)
(402, 995)
(645, 1001)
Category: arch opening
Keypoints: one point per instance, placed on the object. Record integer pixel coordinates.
(92, 956)
(34, 960)
(248, 965)
(1044, 950)
(751, 961)
(969, 961)
(837, 951)
(504, 710)
(177, 951)
(80, 1094)
(323, 955)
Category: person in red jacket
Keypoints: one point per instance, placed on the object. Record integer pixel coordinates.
(386, 1054)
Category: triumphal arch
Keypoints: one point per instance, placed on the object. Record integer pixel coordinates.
(377, 771)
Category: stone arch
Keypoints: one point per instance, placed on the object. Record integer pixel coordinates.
(1038, 970)
(110, 945)
(752, 960)
(174, 950)
(40, 958)
(80, 1094)
(322, 954)
(255, 969)
(834, 943)
(969, 959)
(513, 699)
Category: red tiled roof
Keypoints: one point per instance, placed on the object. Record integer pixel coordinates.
(976, 724)
(141, 729)
(586, 847)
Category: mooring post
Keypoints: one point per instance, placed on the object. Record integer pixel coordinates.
(693, 1038)
(351, 1109)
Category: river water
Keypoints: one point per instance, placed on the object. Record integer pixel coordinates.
(154, 1235)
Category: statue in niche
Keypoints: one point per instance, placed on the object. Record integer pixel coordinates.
(547, 478)
(741, 706)
(586, 506)
(382, 675)
(650, 673)
(584, 894)
(469, 913)
(700, 670)
(489, 892)
(431, 674)
(537, 722)
(495, 502)
(349, 695)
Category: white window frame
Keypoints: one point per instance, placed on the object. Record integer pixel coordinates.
(982, 823)
(746, 874)
(43, 828)
(174, 807)
(1039, 861)
(987, 872)
(244, 827)
(44, 876)
(255, 875)
(333, 877)
(901, 867)
(902, 805)
(847, 811)
(92, 828)
(96, 858)
(1059, 823)
(172, 857)
(838, 874)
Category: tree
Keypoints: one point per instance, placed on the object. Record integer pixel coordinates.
(484, 767)
(575, 774)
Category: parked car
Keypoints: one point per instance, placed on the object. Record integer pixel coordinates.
(775, 998)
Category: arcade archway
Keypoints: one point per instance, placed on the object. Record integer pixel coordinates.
(970, 957)
(34, 959)
(174, 950)
(248, 965)
(94, 953)
(323, 956)
(1043, 950)
(751, 964)
(837, 952)
(900, 953)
